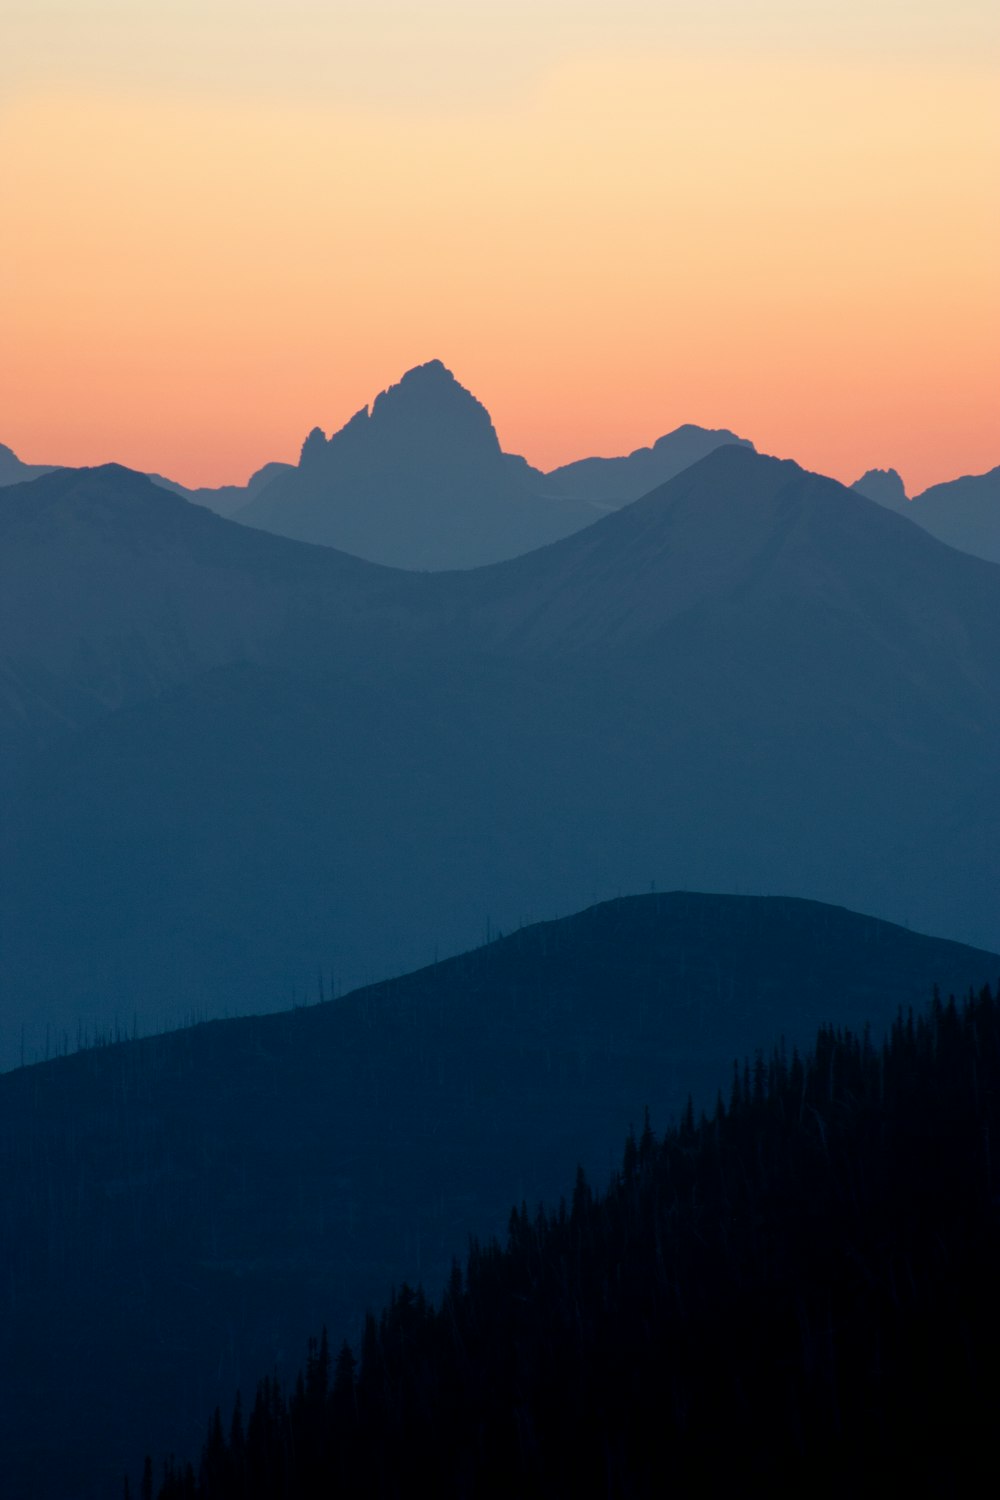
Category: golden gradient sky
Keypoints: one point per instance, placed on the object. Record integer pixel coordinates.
(225, 222)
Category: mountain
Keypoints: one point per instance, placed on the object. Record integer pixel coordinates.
(245, 761)
(224, 500)
(762, 1302)
(964, 513)
(13, 471)
(885, 487)
(209, 1198)
(112, 589)
(612, 482)
(227, 499)
(419, 481)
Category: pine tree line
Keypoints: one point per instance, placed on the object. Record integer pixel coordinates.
(798, 1291)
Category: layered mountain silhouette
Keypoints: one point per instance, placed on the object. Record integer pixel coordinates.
(964, 513)
(227, 499)
(210, 1198)
(615, 481)
(13, 471)
(233, 761)
(114, 589)
(419, 481)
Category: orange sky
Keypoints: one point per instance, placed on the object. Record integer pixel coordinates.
(805, 250)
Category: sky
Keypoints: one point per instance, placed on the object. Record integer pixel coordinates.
(227, 221)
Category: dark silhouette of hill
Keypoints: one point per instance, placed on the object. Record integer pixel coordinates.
(13, 471)
(613, 482)
(290, 760)
(179, 1213)
(798, 1292)
(885, 487)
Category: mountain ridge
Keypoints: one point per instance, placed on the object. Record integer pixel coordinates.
(225, 1189)
(752, 677)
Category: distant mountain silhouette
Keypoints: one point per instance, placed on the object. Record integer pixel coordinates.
(885, 487)
(114, 589)
(13, 471)
(233, 760)
(420, 481)
(227, 499)
(220, 1193)
(614, 481)
(964, 513)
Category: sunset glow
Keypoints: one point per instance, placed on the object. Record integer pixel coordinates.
(801, 245)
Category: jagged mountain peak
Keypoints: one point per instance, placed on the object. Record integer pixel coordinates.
(427, 416)
(884, 486)
(429, 400)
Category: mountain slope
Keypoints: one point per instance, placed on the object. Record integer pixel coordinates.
(612, 482)
(13, 471)
(112, 590)
(226, 499)
(752, 678)
(965, 513)
(223, 1191)
(763, 1303)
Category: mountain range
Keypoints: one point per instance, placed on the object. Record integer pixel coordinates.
(178, 1213)
(964, 513)
(241, 771)
(233, 761)
(418, 480)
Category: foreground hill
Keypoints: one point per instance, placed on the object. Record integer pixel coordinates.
(292, 761)
(798, 1292)
(179, 1213)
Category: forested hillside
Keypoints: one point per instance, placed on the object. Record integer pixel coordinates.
(796, 1295)
(179, 1212)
